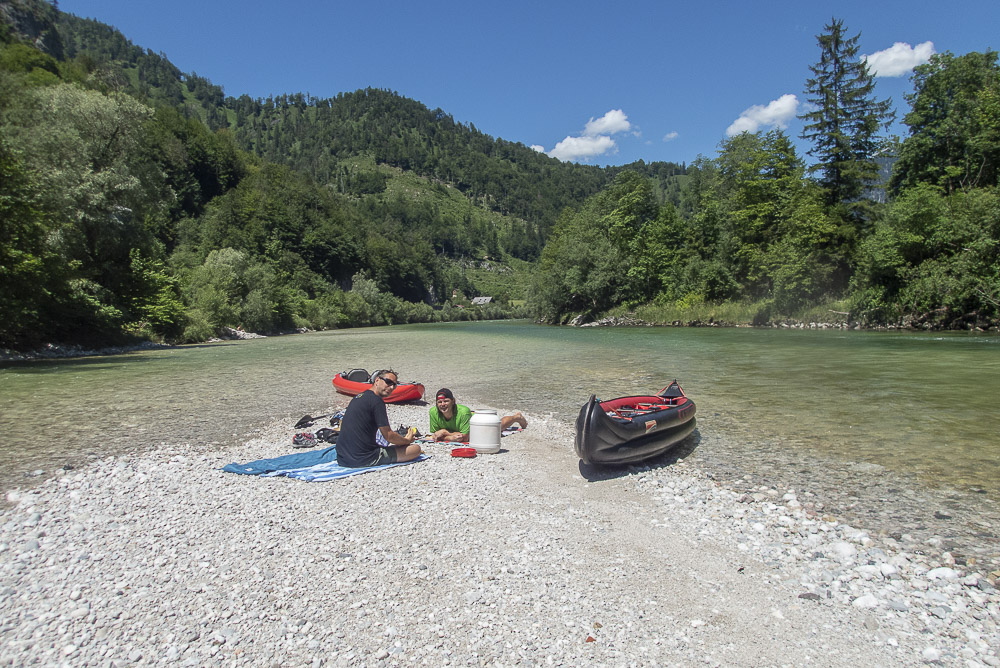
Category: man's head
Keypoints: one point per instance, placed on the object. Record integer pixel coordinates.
(385, 383)
(444, 400)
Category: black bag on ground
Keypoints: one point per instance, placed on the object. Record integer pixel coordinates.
(328, 435)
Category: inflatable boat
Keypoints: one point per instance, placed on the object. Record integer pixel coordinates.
(356, 381)
(631, 429)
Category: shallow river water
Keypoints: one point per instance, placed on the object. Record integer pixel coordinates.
(894, 431)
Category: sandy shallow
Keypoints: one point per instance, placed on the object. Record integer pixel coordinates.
(507, 559)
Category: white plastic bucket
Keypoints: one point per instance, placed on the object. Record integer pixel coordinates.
(484, 432)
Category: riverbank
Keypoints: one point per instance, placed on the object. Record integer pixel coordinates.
(65, 351)
(56, 351)
(785, 323)
(506, 559)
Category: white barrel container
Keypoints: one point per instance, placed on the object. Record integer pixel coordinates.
(484, 432)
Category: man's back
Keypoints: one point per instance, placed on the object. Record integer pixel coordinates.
(356, 444)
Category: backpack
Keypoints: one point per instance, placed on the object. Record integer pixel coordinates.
(327, 434)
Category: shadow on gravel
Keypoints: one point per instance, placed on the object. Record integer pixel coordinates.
(599, 473)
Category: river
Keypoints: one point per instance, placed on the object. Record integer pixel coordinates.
(895, 431)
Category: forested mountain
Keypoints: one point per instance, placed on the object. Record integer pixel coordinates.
(316, 135)
(139, 201)
(211, 211)
(322, 136)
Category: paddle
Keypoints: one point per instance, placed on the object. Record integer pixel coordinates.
(307, 420)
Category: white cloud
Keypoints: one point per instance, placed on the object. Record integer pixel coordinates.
(899, 59)
(670, 136)
(536, 147)
(777, 113)
(596, 138)
(575, 148)
(610, 123)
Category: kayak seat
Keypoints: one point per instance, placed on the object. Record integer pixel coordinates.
(355, 375)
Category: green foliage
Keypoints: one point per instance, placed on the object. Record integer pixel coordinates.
(39, 68)
(844, 120)
(758, 233)
(135, 199)
(578, 270)
(319, 136)
(80, 147)
(954, 124)
(198, 327)
(79, 196)
(27, 263)
(154, 299)
(504, 282)
(232, 290)
(197, 164)
(935, 256)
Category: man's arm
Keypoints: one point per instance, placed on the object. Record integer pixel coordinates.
(464, 421)
(394, 438)
(450, 436)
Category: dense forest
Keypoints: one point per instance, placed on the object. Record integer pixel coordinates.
(137, 201)
(759, 235)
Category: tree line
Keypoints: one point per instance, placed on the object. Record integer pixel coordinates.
(138, 201)
(124, 215)
(756, 227)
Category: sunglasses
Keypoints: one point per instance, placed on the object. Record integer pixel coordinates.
(390, 383)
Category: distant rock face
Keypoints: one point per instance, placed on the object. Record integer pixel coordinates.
(30, 21)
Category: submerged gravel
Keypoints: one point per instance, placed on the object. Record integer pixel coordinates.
(506, 559)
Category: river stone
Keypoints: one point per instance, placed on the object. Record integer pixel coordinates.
(942, 572)
(843, 551)
(866, 601)
(931, 655)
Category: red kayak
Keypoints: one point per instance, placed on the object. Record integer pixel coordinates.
(356, 381)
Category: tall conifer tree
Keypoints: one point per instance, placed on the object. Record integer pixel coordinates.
(845, 120)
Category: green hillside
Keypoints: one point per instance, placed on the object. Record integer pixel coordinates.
(193, 211)
(138, 201)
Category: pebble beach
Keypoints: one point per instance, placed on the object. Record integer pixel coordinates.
(509, 559)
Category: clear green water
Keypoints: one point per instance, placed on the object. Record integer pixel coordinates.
(786, 407)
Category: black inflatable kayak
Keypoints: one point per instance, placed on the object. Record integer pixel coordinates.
(630, 429)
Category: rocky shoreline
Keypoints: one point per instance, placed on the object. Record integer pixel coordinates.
(55, 351)
(909, 326)
(507, 559)
(61, 351)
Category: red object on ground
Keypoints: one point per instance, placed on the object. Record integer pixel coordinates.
(403, 391)
(463, 452)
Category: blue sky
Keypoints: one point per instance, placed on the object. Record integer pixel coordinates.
(592, 82)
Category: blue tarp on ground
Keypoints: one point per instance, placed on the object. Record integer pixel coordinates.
(321, 464)
(311, 466)
(296, 460)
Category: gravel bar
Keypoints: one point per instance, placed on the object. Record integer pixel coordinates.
(512, 559)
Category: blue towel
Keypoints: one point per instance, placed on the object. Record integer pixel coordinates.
(312, 465)
(296, 460)
(332, 471)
